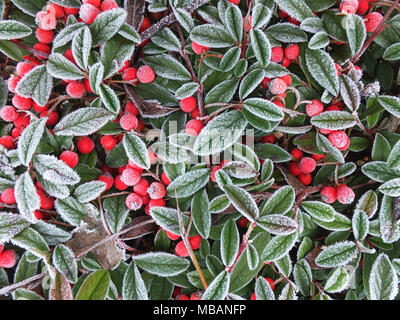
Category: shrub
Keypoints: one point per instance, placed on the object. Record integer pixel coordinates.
(215, 149)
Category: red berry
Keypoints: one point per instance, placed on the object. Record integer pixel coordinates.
(8, 113)
(46, 20)
(76, 89)
(182, 297)
(134, 201)
(276, 54)
(44, 48)
(88, 13)
(23, 68)
(234, 1)
(195, 296)
(145, 74)
(287, 78)
(131, 108)
(181, 250)
(292, 51)
(125, 65)
(333, 107)
(8, 196)
(73, 11)
(195, 242)
(70, 158)
(213, 172)
(345, 194)
(52, 117)
(156, 203)
(130, 176)
(119, 184)
(307, 165)
(141, 187)
(133, 165)
(339, 139)
(68, 54)
(156, 190)
(305, 178)
(12, 83)
(130, 74)
(7, 142)
(318, 157)
(22, 121)
(108, 179)
(325, 131)
(314, 108)
(108, 142)
(108, 5)
(188, 104)
(194, 127)
(21, 103)
(85, 145)
(294, 168)
(172, 236)
(328, 194)
(46, 203)
(95, 3)
(253, 296)
(242, 222)
(16, 132)
(349, 6)
(338, 69)
(372, 21)
(199, 49)
(265, 82)
(8, 259)
(278, 103)
(268, 139)
(55, 10)
(165, 179)
(297, 153)
(38, 108)
(144, 25)
(128, 122)
(362, 7)
(277, 86)
(285, 62)
(86, 83)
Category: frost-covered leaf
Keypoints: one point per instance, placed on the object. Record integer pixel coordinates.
(272, 152)
(349, 92)
(234, 22)
(322, 68)
(393, 161)
(64, 261)
(340, 223)
(184, 18)
(263, 108)
(67, 34)
(253, 258)
(161, 264)
(116, 212)
(188, 183)
(338, 281)
(242, 201)
(109, 99)
(167, 218)
(55, 170)
(128, 32)
(368, 203)
(303, 277)
(187, 90)
(133, 286)
(36, 84)
(360, 224)
(26, 197)
(95, 286)
(280, 202)
(31, 240)
(263, 290)
(83, 122)
(106, 25)
(319, 210)
(81, 44)
(212, 36)
(287, 32)
(60, 288)
(29, 140)
(288, 292)
(70, 210)
(261, 46)
(250, 82)
(136, 150)
(51, 233)
(326, 146)
(391, 104)
(168, 67)
(220, 133)
(279, 246)
(10, 225)
(96, 75)
(201, 213)
(337, 254)
(318, 41)
(89, 191)
(277, 224)
(392, 53)
(260, 16)
(356, 32)
(218, 288)
(12, 29)
(389, 227)
(391, 188)
(166, 39)
(383, 280)
(219, 204)
(61, 68)
(229, 243)
(334, 120)
(297, 9)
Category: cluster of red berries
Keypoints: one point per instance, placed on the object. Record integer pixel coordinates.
(8, 258)
(178, 295)
(372, 20)
(193, 126)
(302, 167)
(341, 193)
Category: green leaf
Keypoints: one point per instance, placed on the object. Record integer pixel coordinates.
(133, 286)
(61, 68)
(218, 288)
(31, 240)
(322, 68)
(26, 197)
(250, 82)
(279, 246)
(392, 53)
(83, 122)
(277, 224)
(71, 210)
(166, 39)
(167, 218)
(36, 84)
(89, 191)
(25, 268)
(261, 46)
(219, 204)
(381, 148)
(319, 41)
(136, 150)
(337, 254)
(272, 152)
(96, 75)
(393, 161)
(263, 290)
(334, 120)
(55, 170)
(229, 243)
(360, 224)
(368, 203)
(10, 225)
(67, 34)
(95, 286)
(242, 201)
(223, 92)
(260, 16)
(212, 36)
(391, 104)
(129, 33)
(168, 67)
(201, 213)
(11, 29)
(106, 25)
(338, 281)
(340, 223)
(326, 146)
(234, 22)
(303, 276)
(187, 90)
(319, 210)
(161, 264)
(349, 92)
(356, 32)
(81, 45)
(287, 32)
(280, 202)
(220, 133)
(116, 212)
(391, 188)
(263, 108)
(109, 99)
(297, 9)
(64, 261)
(389, 227)
(188, 183)
(383, 280)
(29, 140)
(184, 18)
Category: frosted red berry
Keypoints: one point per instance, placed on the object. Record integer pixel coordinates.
(234, 1)
(8, 113)
(318, 157)
(108, 142)
(141, 187)
(307, 165)
(107, 179)
(305, 178)
(277, 86)
(294, 168)
(349, 6)
(145, 74)
(130, 176)
(95, 3)
(296, 153)
(268, 139)
(292, 51)
(85, 145)
(88, 13)
(76, 89)
(129, 122)
(372, 21)
(195, 295)
(52, 117)
(345, 194)
(276, 54)
(287, 78)
(144, 25)
(314, 108)
(7, 142)
(328, 194)
(21, 103)
(165, 179)
(23, 68)
(188, 104)
(130, 74)
(70, 158)
(55, 10)
(42, 48)
(172, 236)
(8, 259)
(131, 108)
(12, 83)
(119, 184)
(362, 7)
(265, 82)
(133, 201)
(199, 49)
(156, 190)
(46, 20)
(8, 196)
(181, 250)
(339, 139)
(108, 5)
(194, 127)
